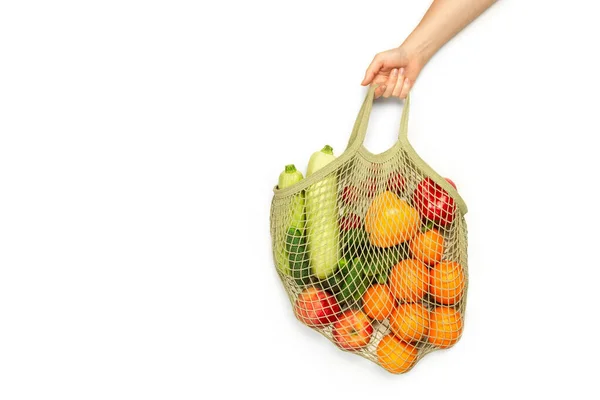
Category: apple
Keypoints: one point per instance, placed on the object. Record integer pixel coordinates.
(353, 330)
(316, 307)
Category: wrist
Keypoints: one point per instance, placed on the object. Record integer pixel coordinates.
(418, 49)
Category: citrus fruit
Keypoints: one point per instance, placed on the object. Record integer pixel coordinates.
(447, 282)
(378, 302)
(428, 247)
(395, 355)
(410, 322)
(409, 280)
(445, 327)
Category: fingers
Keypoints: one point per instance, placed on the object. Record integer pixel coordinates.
(391, 83)
(381, 82)
(372, 70)
(405, 88)
(398, 84)
(395, 85)
(380, 90)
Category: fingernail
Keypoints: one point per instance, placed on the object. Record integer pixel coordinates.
(406, 84)
(401, 71)
(394, 72)
(383, 87)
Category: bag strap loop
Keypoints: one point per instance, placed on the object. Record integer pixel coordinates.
(359, 131)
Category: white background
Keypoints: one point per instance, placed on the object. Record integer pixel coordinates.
(140, 141)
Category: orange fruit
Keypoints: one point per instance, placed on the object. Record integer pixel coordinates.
(410, 322)
(396, 356)
(390, 220)
(378, 302)
(445, 327)
(409, 280)
(428, 247)
(447, 282)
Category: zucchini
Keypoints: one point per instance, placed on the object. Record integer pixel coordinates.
(380, 261)
(290, 176)
(287, 178)
(351, 282)
(354, 242)
(321, 222)
(298, 256)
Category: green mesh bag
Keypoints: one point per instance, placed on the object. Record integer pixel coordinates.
(372, 251)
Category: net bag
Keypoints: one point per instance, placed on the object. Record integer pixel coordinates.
(372, 251)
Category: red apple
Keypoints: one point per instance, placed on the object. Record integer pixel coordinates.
(353, 330)
(316, 307)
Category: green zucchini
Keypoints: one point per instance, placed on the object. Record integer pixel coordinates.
(287, 178)
(298, 256)
(352, 283)
(381, 261)
(354, 242)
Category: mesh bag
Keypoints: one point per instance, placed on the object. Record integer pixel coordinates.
(372, 251)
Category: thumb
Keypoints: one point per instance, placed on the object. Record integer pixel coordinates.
(372, 71)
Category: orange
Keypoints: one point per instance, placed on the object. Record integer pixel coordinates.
(447, 282)
(445, 327)
(378, 302)
(409, 280)
(428, 247)
(396, 356)
(390, 220)
(410, 322)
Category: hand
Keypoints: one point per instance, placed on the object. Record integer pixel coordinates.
(395, 71)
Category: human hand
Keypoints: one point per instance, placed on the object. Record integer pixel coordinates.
(395, 71)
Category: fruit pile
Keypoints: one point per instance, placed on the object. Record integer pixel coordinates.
(372, 263)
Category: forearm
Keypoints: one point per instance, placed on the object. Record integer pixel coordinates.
(443, 20)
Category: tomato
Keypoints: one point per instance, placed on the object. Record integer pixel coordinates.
(434, 203)
(370, 187)
(396, 182)
(349, 195)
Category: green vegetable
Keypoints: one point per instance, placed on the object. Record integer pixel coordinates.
(332, 283)
(321, 223)
(357, 280)
(350, 282)
(281, 258)
(427, 227)
(355, 241)
(287, 178)
(298, 256)
(380, 261)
